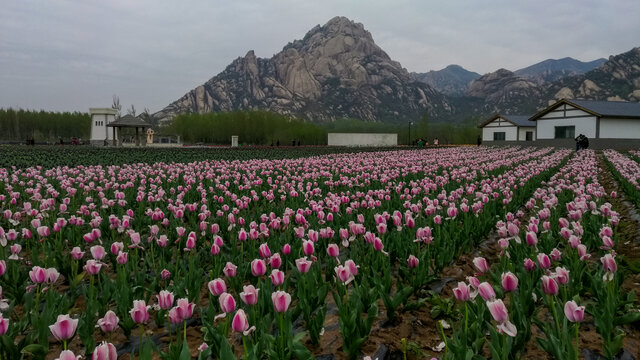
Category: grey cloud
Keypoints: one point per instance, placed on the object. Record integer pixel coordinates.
(71, 55)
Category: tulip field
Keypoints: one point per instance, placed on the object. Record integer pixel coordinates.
(447, 253)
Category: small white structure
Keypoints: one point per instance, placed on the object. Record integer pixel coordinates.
(508, 128)
(361, 139)
(234, 141)
(566, 119)
(100, 118)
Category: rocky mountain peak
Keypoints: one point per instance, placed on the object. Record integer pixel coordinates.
(336, 70)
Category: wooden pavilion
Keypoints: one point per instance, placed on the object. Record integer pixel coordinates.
(129, 121)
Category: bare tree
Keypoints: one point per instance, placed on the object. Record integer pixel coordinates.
(146, 115)
(131, 110)
(116, 105)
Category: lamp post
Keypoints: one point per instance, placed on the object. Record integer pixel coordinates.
(409, 142)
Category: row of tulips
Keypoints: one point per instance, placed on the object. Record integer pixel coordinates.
(167, 227)
(525, 274)
(627, 173)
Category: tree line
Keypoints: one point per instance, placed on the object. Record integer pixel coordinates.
(267, 128)
(43, 126)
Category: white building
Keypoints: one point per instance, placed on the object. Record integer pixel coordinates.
(600, 121)
(508, 128)
(100, 118)
(362, 139)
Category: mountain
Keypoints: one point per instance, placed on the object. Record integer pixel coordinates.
(504, 91)
(552, 69)
(616, 79)
(335, 71)
(453, 80)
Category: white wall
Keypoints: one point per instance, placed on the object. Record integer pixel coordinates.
(499, 125)
(619, 128)
(360, 139)
(545, 128)
(566, 115)
(523, 132)
(99, 119)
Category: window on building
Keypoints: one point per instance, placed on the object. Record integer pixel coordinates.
(498, 136)
(565, 132)
(529, 135)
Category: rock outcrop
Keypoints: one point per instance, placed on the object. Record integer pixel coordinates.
(335, 71)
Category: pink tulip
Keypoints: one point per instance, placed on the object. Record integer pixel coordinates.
(139, 312)
(481, 264)
(52, 275)
(165, 274)
(64, 328)
(92, 267)
(105, 351)
(109, 322)
(76, 253)
(242, 235)
(258, 267)
(43, 231)
(116, 247)
(549, 285)
(97, 252)
(215, 249)
(174, 316)
(286, 249)
(121, 258)
(307, 247)
(4, 325)
(342, 273)
(353, 268)
(184, 308)
(607, 243)
(333, 250)
(486, 291)
(555, 255)
(217, 287)
(249, 295)
(227, 302)
(582, 252)
(165, 299)
(412, 262)
(264, 251)
(462, 292)
(561, 275)
(277, 277)
(67, 355)
(543, 261)
(531, 238)
(230, 270)
(509, 281)
(609, 263)
(573, 312)
(38, 275)
(281, 301)
(303, 264)
(240, 322)
(3, 267)
(275, 261)
(498, 310)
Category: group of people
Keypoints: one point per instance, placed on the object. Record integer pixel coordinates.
(582, 142)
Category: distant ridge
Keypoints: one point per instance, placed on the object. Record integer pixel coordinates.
(552, 69)
(453, 80)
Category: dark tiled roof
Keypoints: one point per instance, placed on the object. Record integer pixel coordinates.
(520, 120)
(610, 108)
(129, 121)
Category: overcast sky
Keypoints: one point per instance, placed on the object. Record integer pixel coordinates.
(72, 55)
